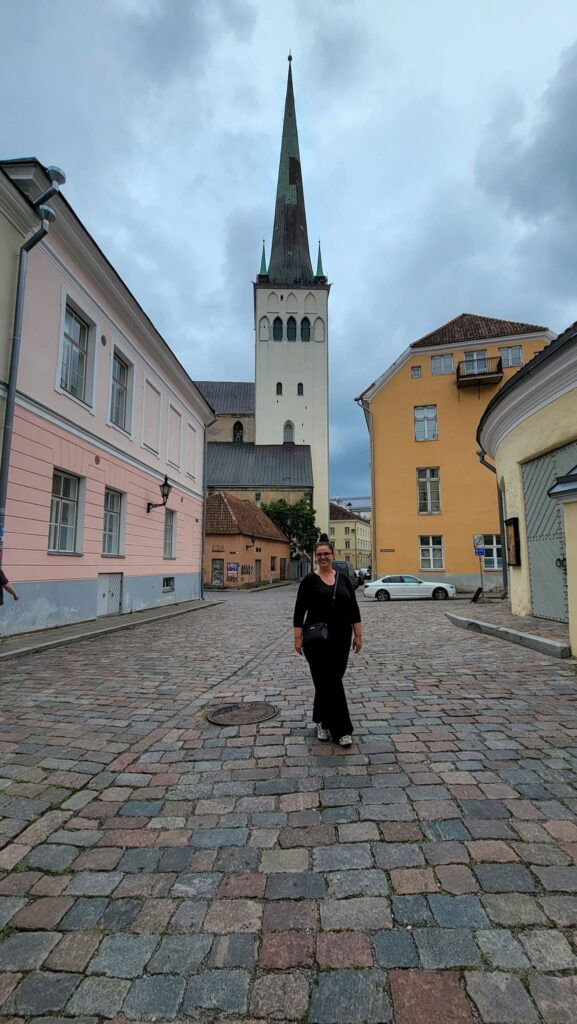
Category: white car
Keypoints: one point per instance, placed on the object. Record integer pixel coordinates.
(386, 588)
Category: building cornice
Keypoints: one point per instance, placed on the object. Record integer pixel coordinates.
(550, 380)
(17, 210)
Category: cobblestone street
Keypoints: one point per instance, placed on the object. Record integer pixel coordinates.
(156, 866)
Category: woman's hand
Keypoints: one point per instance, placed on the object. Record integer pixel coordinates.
(298, 642)
(357, 642)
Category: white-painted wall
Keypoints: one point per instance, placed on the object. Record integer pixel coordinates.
(292, 363)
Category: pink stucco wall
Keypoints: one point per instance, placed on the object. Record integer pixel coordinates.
(39, 446)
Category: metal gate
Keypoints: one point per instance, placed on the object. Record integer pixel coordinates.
(545, 533)
(109, 593)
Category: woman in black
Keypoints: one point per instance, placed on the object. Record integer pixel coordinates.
(328, 658)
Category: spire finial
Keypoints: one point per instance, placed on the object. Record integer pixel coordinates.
(263, 269)
(290, 57)
(320, 272)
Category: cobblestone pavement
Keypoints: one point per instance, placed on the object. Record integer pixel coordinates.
(499, 613)
(155, 866)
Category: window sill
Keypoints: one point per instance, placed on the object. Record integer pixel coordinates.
(438, 513)
(67, 554)
(122, 430)
(74, 398)
(103, 555)
(169, 558)
(432, 570)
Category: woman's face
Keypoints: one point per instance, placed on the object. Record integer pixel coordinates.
(324, 556)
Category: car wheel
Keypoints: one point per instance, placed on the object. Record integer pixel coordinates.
(383, 595)
(439, 594)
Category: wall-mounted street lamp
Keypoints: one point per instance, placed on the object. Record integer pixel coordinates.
(165, 489)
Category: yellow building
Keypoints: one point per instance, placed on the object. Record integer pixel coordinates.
(530, 430)
(351, 536)
(430, 494)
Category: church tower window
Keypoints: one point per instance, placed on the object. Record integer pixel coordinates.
(279, 387)
(237, 432)
(277, 329)
(288, 433)
(305, 329)
(291, 329)
(264, 328)
(300, 389)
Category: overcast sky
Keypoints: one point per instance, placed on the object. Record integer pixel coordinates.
(438, 148)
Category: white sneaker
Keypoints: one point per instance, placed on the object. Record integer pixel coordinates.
(322, 734)
(346, 741)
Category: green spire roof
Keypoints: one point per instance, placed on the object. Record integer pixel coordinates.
(320, 271)
(290, 261)
(263, 269)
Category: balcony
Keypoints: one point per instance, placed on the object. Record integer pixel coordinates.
(475, 372)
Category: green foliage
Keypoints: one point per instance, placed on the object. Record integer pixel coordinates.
(297, 522)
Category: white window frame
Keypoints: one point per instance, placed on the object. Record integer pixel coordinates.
(68, 301)
(506, 358)
(120, 517)
(478, 360)
(441, 365)
(429, 475)
(427, 551)
(426, 419)
(492, 543)
(155, 385)
(415, 372)
(118, 354)
(169, 534)
(55, 521)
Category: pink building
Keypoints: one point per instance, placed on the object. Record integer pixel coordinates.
(104, 410)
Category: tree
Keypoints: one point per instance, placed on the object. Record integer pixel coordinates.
(297, 522)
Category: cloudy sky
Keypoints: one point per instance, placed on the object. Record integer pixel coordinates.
(437, 141)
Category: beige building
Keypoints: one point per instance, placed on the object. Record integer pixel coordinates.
(350, 534)
(243, 546)
(530, 429)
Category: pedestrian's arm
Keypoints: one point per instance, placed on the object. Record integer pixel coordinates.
(299, 616)
(10, 590)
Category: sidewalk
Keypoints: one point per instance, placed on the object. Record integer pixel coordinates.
(494, 617)
(27, 643)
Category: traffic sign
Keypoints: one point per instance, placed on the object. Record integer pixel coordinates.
(479, 544)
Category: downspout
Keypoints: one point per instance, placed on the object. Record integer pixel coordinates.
(47, 217)
(369, 421)
(205, 493)
(481, 455)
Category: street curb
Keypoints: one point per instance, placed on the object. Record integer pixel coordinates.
(60, 641)
(554, 648)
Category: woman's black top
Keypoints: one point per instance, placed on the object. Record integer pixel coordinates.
(314, 600)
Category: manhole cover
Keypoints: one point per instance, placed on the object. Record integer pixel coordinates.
(242, 714)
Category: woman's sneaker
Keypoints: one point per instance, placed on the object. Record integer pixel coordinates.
(346, 741)
(322, 734)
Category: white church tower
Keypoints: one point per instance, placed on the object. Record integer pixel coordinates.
(291, 327)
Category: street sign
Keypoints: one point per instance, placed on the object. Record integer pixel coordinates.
(479, 544)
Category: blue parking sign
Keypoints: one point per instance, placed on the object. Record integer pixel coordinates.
(479, 544)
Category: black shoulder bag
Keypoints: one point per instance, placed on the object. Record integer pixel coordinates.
(319, 631)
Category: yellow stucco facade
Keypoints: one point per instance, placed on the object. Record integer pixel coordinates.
(352, 541)
(424, 523)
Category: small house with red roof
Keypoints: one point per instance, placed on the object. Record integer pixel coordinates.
(243, 546)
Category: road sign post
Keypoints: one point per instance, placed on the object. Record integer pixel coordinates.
(479, 547)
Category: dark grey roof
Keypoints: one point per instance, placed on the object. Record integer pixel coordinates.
(228, 397)
(262, 465)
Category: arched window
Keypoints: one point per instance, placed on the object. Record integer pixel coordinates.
(237, 432)
(288, 433)
(300, 389)
(264, 328)
(291, 329)
(319, 329)
(279, 387)
(305, 329)
(277, 329)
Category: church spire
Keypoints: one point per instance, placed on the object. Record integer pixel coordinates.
(320, 271)
(290, 261)
(263, 270)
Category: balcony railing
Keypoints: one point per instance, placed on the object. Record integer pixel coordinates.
(485, 370)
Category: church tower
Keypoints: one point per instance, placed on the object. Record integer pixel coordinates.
(291, 326)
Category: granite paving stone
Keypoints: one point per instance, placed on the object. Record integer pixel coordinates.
(215, 990)
(73, 952)
(9, 906)
(123, 956)
(119, 915)
(548, 950)
(42, 992)
(507, 877)
(297, 885)
(364, 913)
(233, 951)
(428, 997)
(446, 947)
(344, 949)
(398, 855)
(501, 949)
(154, 997)
(25, 951)
(500, 998)
(280, 950)
(561, 909)
(411, 910)
(342, 857)
(458, 911)
(557, 879)
(513, 909)
(556, 998)
(350, 997)
(395, 949)
(101, 997)
(369, 882)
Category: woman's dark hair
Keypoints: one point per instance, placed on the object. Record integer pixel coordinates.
(324, 541)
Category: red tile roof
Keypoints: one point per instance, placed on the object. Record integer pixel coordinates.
(341, 512)
(469, 327)
(227, 514)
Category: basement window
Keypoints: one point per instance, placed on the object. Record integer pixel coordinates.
(168, 583)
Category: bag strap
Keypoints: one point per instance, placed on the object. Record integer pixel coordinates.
(335, 589)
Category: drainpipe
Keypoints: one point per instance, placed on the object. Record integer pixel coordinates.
(205, 493)
(481, 457)
(47, 216)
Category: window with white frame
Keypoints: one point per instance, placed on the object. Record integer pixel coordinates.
(347, 529)
(332, 530)
(74, 371)
(511, 356)
(111, 527)
(347, 544)
(493, 558)
(476, 362)
(428, 490)
(415, 372)
(288, 433)
(169, 533)
(119, 410)
(425, 422)
(441, 364)
(431, 552)
(63, 512)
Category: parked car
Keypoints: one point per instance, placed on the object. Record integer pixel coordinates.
(346, 569)
(364, 574)
(387, 588)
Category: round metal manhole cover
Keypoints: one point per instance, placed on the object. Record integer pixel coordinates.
(242, 714)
